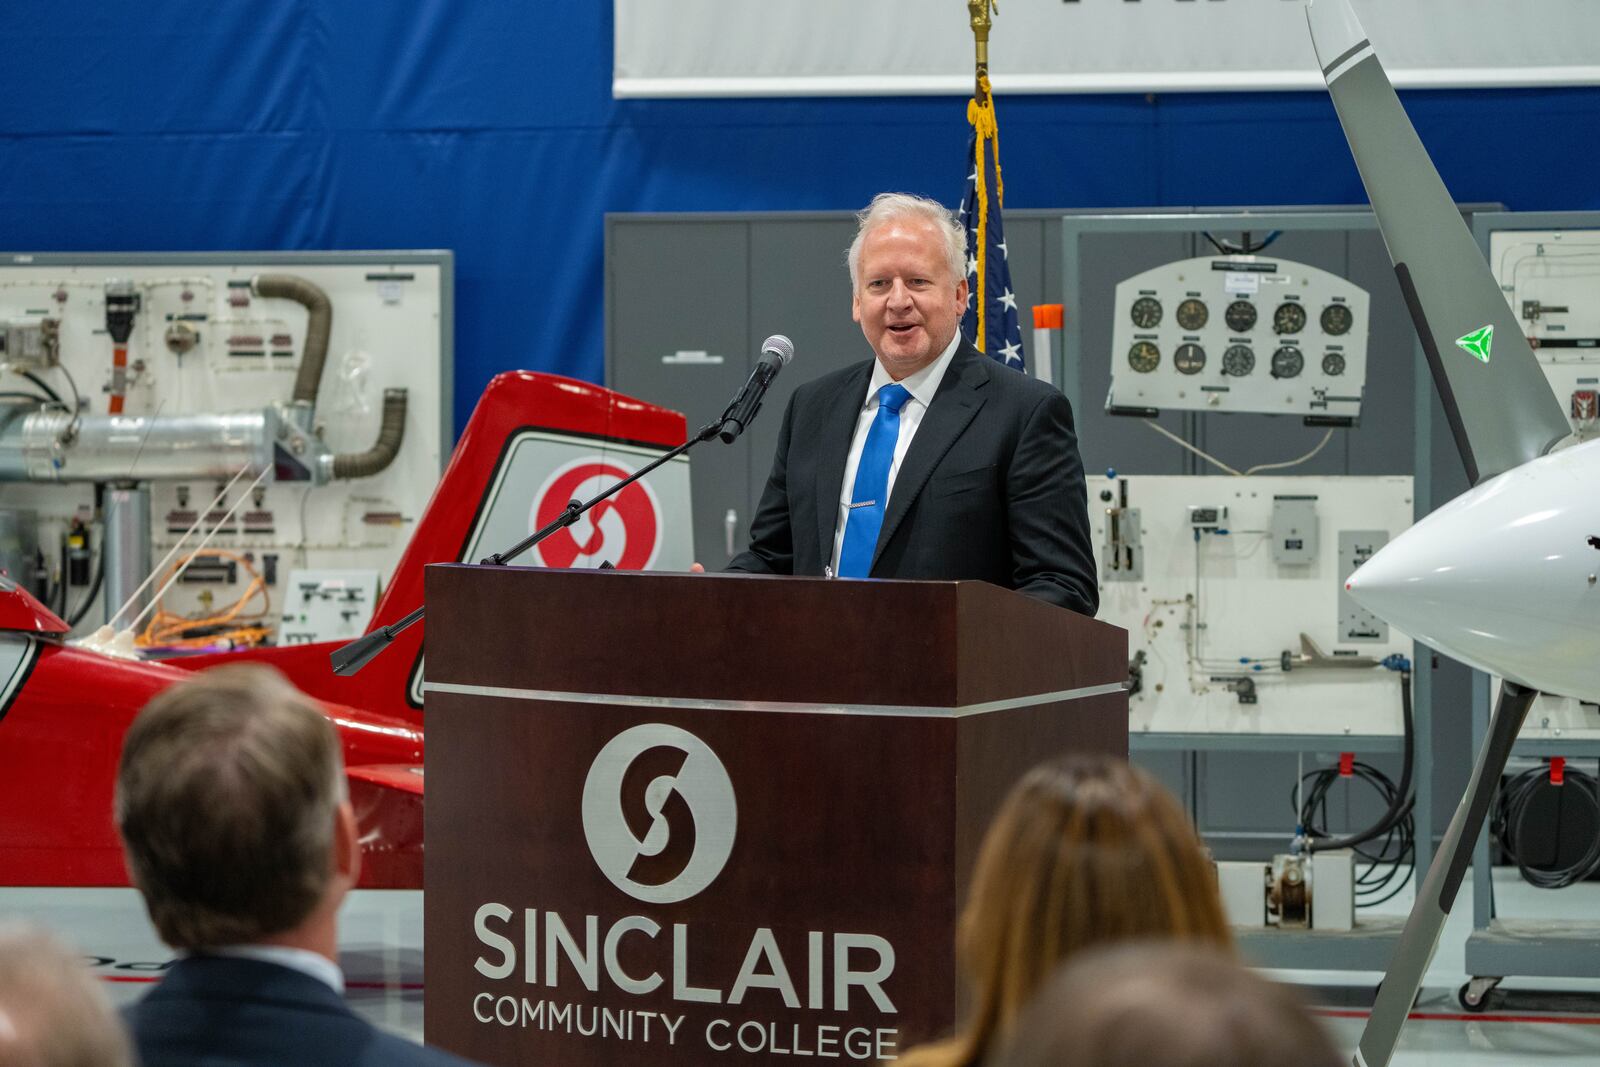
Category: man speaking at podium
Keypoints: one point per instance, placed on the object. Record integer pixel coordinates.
(931, 460)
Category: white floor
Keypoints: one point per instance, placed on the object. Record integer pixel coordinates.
(381, 950)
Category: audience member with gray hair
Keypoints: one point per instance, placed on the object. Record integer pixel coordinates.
(1176, 1005)
(52, 1011)
(233, 814)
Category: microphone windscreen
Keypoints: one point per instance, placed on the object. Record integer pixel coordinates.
(780, 346)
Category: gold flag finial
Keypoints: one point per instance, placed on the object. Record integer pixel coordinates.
(981, 21)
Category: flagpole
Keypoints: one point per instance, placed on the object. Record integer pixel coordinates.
(980, 113)
(981, 21)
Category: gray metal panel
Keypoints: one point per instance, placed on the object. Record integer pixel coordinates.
(674, 287)
(1366, 948)
(1318, 746)
(1545, 948)
(799, 286)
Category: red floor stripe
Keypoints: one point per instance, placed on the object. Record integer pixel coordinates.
(405, 986)
(1465, 1017)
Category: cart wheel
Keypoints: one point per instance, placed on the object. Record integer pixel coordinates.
(1474, 993)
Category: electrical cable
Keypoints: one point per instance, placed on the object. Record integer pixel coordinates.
(1246, 247)
(1509, 825)
(1293, 462)
(1392, 863)
(229, 626)
(1215, 462)
(44, 386)
(1399, 799)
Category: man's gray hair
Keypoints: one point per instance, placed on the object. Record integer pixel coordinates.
(891, 207)
(53, 1012)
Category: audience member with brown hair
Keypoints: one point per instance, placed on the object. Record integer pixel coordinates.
(232, 808)
(1168, 1004)
(52, 1011)
(1084, 852)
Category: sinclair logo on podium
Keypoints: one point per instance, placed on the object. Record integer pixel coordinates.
(676, 983)
(659, 813)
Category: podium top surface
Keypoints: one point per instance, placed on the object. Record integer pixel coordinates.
(890, 647)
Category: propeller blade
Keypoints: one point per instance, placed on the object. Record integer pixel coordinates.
(1501, 408)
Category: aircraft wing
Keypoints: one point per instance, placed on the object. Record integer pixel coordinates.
(404, 777)
(1502, 410)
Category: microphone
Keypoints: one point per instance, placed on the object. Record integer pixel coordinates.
(776, 352)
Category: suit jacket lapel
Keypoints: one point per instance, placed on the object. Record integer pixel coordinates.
(838, 426)
(953, 407)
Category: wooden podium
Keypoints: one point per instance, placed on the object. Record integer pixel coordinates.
(682, 819)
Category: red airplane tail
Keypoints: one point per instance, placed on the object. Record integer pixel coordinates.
(534, 441)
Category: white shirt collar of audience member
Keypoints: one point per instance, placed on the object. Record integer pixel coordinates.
(305, 961)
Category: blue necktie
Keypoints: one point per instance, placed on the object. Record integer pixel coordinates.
(869, 498)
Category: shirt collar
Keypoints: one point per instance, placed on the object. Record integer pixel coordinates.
(923, 384)
(305, 961)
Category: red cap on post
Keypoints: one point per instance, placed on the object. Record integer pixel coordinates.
(1048, 316)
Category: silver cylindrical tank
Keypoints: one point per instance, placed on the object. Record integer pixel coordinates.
(46, 446)
(126, 548)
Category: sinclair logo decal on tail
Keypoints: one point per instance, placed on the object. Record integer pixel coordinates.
(1478, 343)
(624, 529)
(647, 526)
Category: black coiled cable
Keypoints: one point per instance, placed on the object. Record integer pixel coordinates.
(1394, 857)
(1511, 817)
(1390, 854)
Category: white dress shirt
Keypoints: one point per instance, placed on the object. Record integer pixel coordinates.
(921, 385)
(305, 961)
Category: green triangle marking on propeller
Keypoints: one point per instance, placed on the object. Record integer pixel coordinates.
(1478, 342)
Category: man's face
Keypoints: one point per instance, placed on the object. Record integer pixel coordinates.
(907, 301)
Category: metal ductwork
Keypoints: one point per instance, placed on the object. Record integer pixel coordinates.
(55, 446)
(319, 321)
(391, 432)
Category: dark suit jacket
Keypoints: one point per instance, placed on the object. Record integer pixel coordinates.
(990, 489)
(219, 1011)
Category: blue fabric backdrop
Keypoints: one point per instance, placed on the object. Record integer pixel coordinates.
(489, 128)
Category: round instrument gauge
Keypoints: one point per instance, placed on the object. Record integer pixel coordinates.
(1333, 364)
(1189, 359)
(1144, 357)
(1240, 316)
(1289, 318)
(1287, 362)
(1238, 361)
(1146, 312)
(1192, 314)
(1336, 319)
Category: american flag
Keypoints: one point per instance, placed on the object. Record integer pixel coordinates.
(991, 322)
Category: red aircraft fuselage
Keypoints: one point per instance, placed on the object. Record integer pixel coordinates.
(64, 710)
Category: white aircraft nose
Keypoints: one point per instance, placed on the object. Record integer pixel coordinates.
(1504, 577)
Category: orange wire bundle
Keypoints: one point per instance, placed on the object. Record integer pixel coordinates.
(230, 626)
